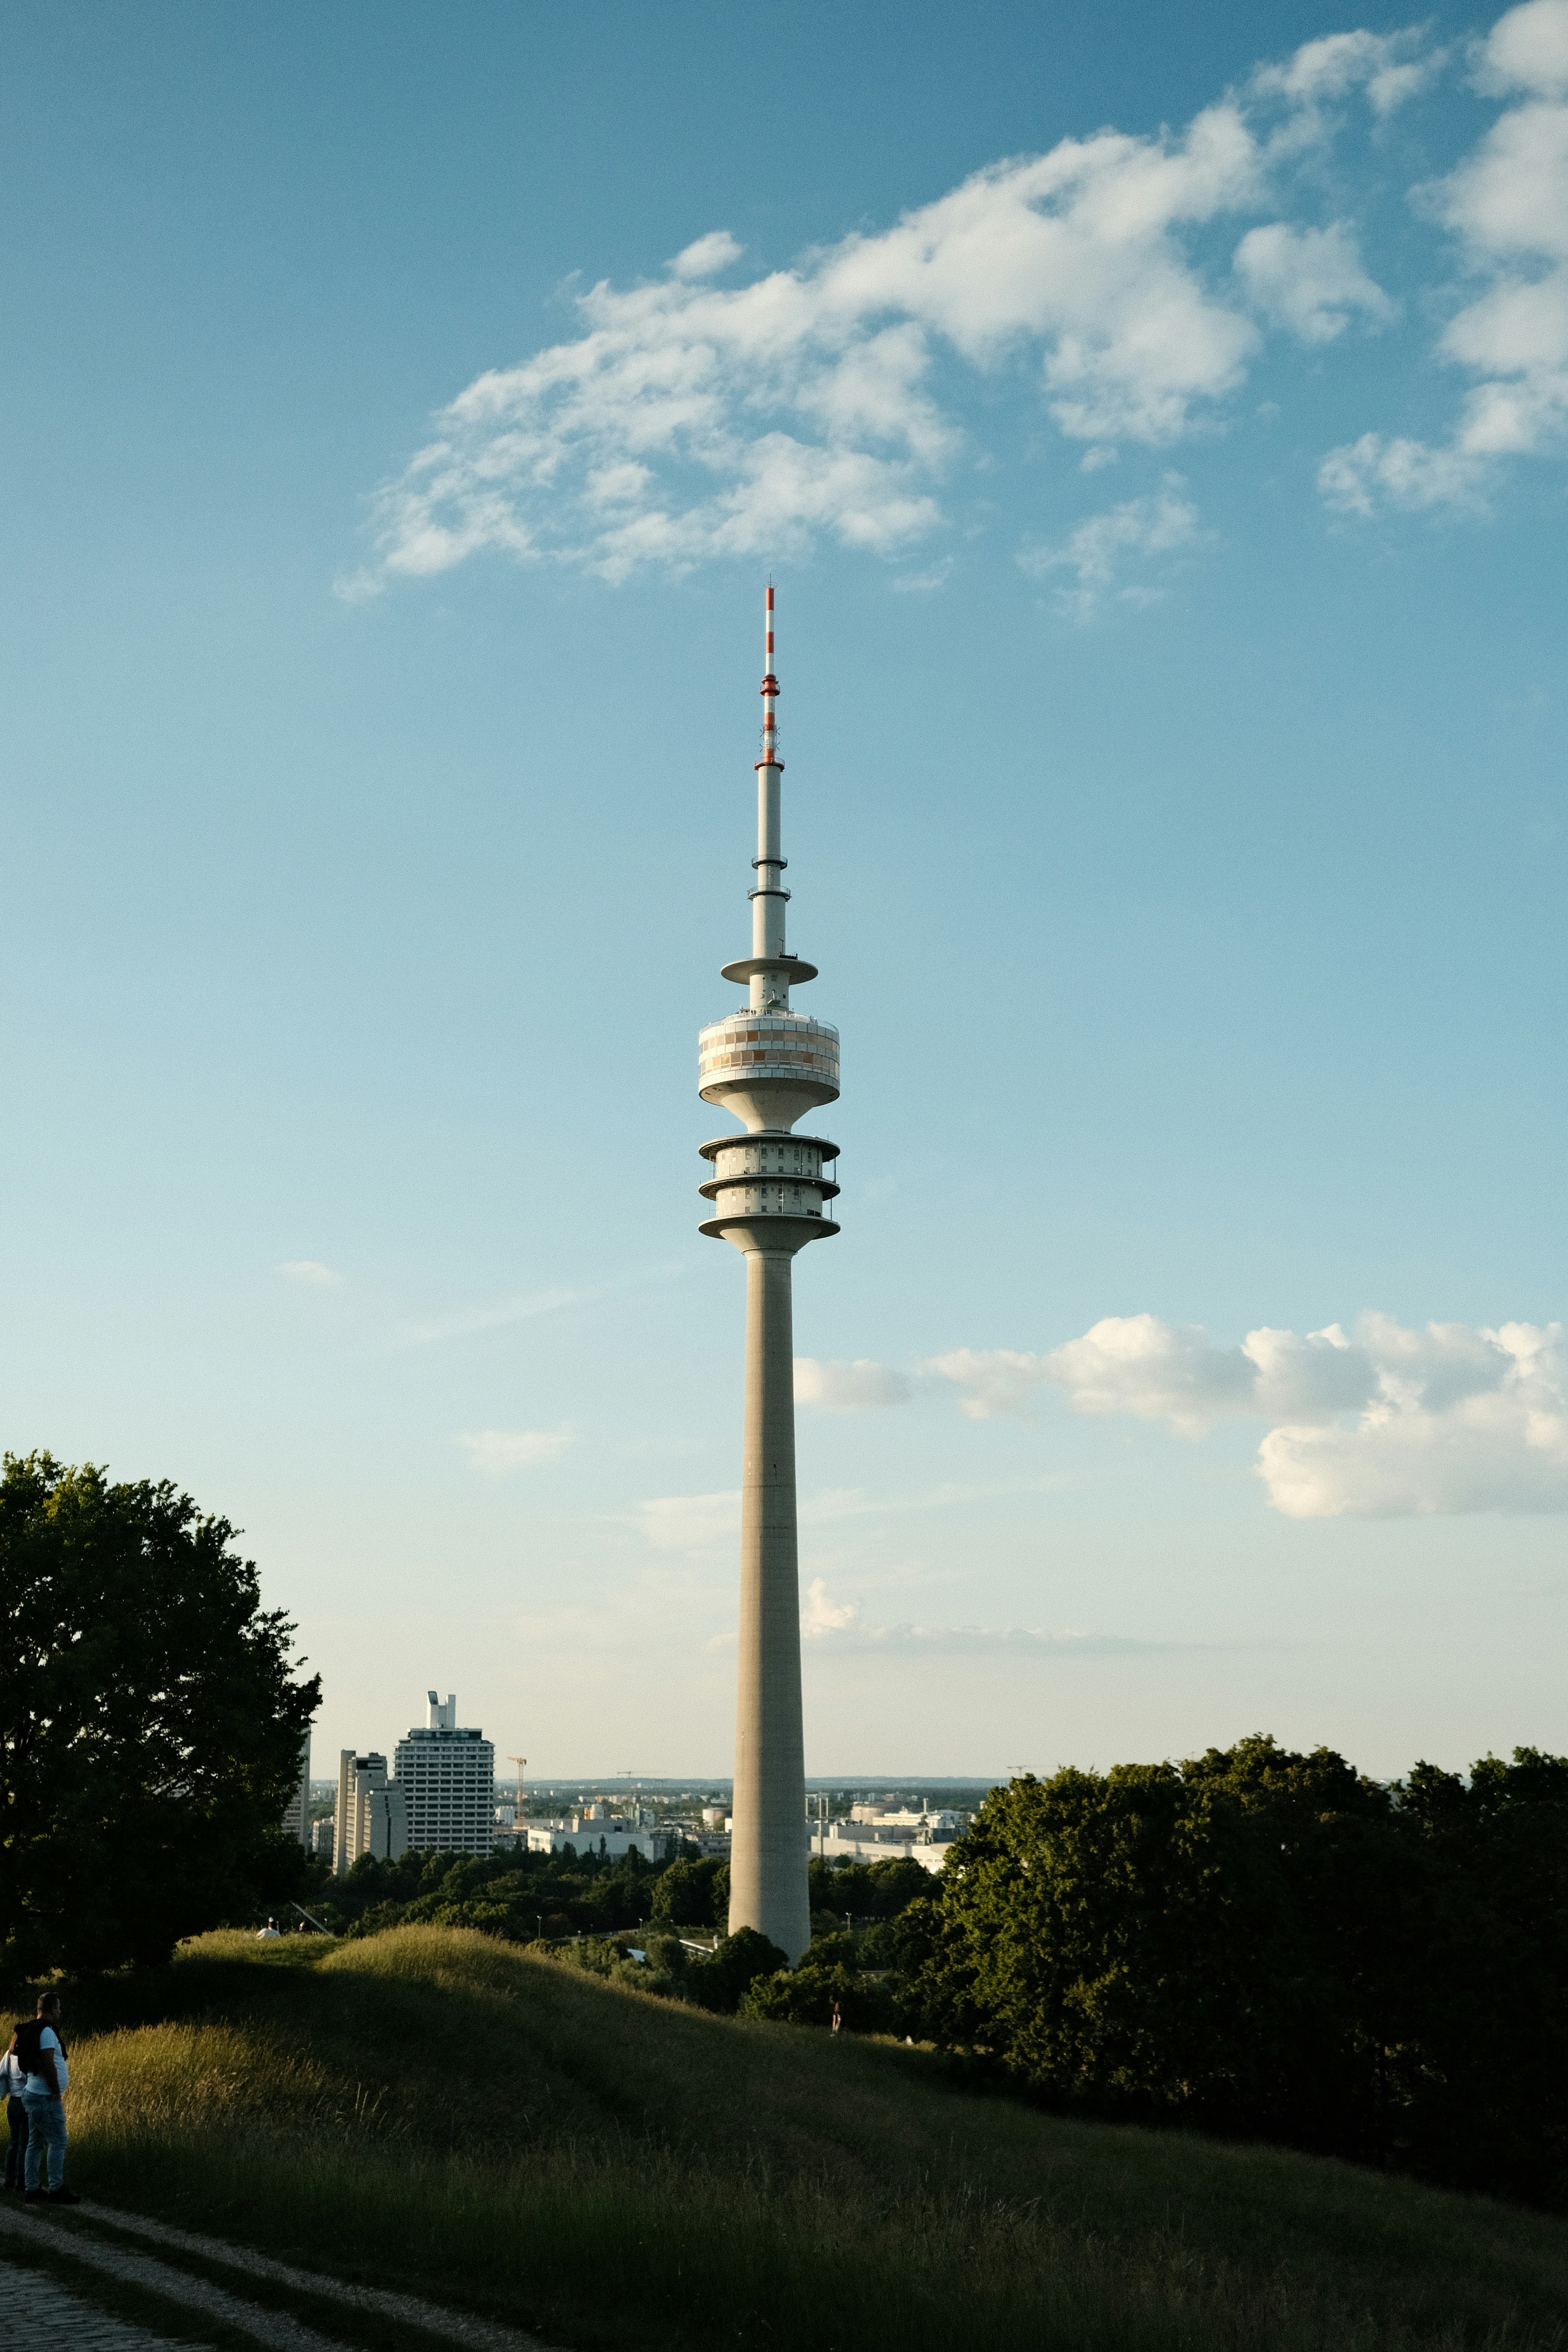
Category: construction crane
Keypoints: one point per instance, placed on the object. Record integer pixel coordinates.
(517, 1818)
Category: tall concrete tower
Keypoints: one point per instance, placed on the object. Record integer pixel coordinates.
(768, 1067)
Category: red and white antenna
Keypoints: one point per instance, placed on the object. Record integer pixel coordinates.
(770, 758)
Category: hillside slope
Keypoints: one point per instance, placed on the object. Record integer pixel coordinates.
(433, 2108)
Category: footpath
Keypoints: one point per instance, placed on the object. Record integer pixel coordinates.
(295, 2309)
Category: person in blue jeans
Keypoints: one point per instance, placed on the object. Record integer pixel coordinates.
(43, 2055)
(13, 2075)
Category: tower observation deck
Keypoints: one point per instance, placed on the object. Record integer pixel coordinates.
(768, 1195)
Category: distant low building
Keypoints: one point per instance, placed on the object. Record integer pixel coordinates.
(594, 1833)
(876, 1815)
(868, 1841)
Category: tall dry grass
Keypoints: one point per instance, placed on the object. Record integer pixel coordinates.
(435, 2109)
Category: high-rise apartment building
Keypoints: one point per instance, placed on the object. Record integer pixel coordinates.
(296, 1812)
(372, 1816)
(447, 1775)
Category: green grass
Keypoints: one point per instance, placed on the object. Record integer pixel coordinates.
(436, 2110)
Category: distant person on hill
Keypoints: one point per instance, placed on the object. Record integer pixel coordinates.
(47, 2077)
(271, 1928)
(13, 2075)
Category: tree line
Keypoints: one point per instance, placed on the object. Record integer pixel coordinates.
(1254, 1942)
(1273, 1946)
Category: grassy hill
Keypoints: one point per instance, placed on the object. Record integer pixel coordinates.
(434, 2109)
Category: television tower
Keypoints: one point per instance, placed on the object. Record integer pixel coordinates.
(768, 1067)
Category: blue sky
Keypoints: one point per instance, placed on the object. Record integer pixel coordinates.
(1156, 429)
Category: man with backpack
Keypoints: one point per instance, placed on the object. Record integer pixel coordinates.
(42, 2055)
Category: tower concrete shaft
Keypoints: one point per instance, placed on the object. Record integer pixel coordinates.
(768, 1066)
(768, 1856)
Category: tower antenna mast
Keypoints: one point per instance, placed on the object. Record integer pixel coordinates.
(768, 1066)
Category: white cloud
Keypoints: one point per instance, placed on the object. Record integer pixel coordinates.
(1507, 205)
(1392, 1423)
(1310, 280)
(1390, 68)
(1410, 474)
(849, 1387)
(686, 420)
(496, 1452)
(1101, 547)
(1527, 50)
(1383, 1421)
(1464, 1421)
(311, 1271)
(708, 256)
(822, 1615)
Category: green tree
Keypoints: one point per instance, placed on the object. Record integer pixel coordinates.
(737, 1962)
(149, 1722)
(684, 1894)
(1265, 1943)
(1229, 1941)
(1489, 2108)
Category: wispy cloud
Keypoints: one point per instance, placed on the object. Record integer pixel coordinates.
(688, 420)
(700, 1524)
(1102, 548)
(833, 1625)
(692, 1523)
(855, 1386)
(496, 1452)
(495, 1315)
(311, 1273)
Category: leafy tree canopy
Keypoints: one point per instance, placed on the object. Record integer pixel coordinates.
(1264, 1942)
(150, 1721)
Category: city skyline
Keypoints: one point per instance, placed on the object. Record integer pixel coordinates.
(1157, 435)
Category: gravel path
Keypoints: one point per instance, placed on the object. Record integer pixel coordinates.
(456, 2326)
(45, 2318)
(157, 2278)
(268, 2326)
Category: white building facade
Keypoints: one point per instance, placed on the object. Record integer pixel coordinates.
(447, 1776)
(371, 1816)
(296, 1812)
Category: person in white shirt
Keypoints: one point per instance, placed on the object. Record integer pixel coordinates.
(271, 1928)
(13, 2075)
(43, 2055)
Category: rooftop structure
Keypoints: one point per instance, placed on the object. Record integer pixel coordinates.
(768, 1066)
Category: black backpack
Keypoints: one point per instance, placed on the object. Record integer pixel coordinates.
(30, 2034)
